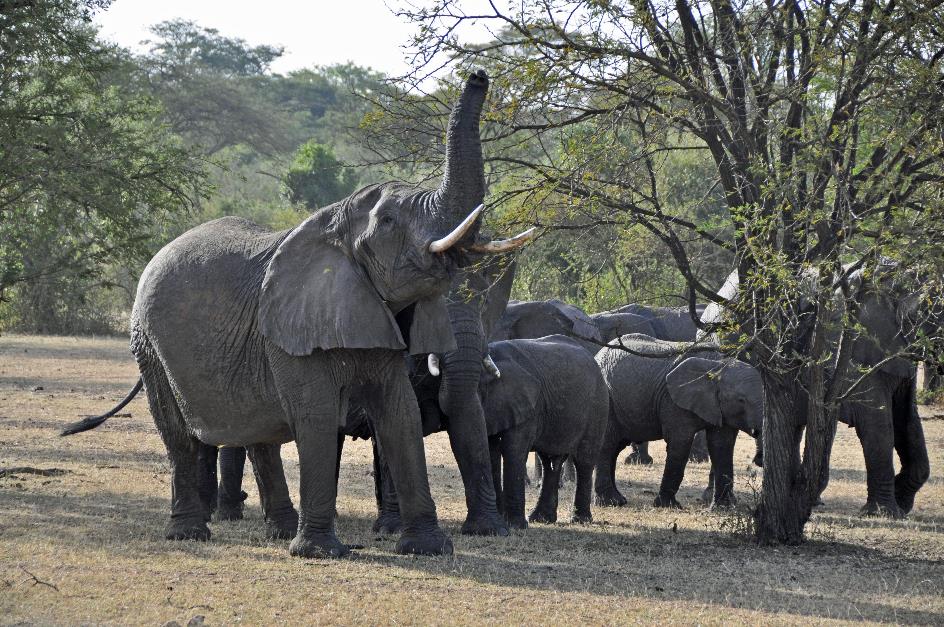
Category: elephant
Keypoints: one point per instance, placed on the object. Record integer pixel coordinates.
(247, 337)
(667, 323)
(226, 500)
(658, 391)
(540, 318)
(550, 398)
(883, 410)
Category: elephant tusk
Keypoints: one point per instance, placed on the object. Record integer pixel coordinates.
(505, 245)
(432, 363)
(447, 242)
(491, 366)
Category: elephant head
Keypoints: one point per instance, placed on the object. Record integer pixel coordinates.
(371, 270)
(533, 319)
(721, 392)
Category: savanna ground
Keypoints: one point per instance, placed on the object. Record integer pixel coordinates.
(86, 546)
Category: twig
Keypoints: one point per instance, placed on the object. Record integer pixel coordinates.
(39, 582)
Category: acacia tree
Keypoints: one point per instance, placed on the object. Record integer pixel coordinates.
(822, 122)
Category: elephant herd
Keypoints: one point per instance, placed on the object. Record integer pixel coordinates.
(387, 315)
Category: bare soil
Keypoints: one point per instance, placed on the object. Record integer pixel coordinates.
(86, 545)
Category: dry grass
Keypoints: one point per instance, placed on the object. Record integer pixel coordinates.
(94, 536)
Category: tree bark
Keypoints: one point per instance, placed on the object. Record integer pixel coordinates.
(779, 518)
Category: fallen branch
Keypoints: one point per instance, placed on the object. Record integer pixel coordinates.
(29, 470)
(39, 582)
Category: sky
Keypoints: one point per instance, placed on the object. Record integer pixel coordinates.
(319, 32)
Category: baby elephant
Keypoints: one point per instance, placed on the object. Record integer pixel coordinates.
(550, 398)
(658, 393)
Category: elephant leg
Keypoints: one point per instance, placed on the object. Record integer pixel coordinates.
(874, 428)
(605, 492)
(231, 495)
(206, 460)
(514, 454)
(188, 512)
(388, 513)
(699, 451)
(720, 442)
(583, 492)
(280, 516)
(546, 509)
(676, 458)
(639, 454)
(910, 446)
(538, 468)
(317, 460)
(459, 400)
(494, 450)
(399, 430)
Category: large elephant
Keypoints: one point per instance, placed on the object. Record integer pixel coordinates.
(883, 410)
(658, 392)
(550, 398)
(247, 337)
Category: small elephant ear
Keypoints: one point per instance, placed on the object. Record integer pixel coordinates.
(430, 328)
(582, 324)
(314, 296)
(693, 385)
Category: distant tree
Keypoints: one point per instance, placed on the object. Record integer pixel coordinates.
(87, 168)
(316, 178)
(216, 90)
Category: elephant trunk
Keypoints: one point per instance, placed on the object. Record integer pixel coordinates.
(463, 182)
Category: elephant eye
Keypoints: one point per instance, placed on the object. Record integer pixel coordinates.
(387, 220)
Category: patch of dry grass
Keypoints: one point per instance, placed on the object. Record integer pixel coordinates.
(87, 546)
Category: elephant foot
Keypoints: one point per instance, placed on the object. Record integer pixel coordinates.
(888, 510)
(435, 542)
(517, 522)
(387, 524)
(667, 502)
(318, 545)
(484, 525)
(187, 529)
(581, 518)
(635, 458)
(707, 495)
(282, 527)
(904, 496)
(546, 517)
(609, 498)
(723, 504)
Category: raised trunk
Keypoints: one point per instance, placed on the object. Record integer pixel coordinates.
(463, 182)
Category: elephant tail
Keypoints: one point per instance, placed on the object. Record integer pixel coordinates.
(91, 422)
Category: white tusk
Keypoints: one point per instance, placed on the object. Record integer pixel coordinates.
(444, 244)
(491, 366)
(432, 362)
(505, 245)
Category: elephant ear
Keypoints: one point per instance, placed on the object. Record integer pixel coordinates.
(314, 296)
(582, 325)
(430, 329)
(693, 385)
(511, 400)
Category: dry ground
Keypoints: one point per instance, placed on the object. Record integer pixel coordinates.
(87, 546)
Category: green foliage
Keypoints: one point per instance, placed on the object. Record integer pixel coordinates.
(316, 178)
(88, 169)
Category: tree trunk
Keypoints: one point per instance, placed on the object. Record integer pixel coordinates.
(779, 518)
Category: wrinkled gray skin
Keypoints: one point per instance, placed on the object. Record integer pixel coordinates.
(883, 410)
(550, 398)
(452, 401)
(528, 319)
(674, 324)
(247, 337)
(661, 395)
